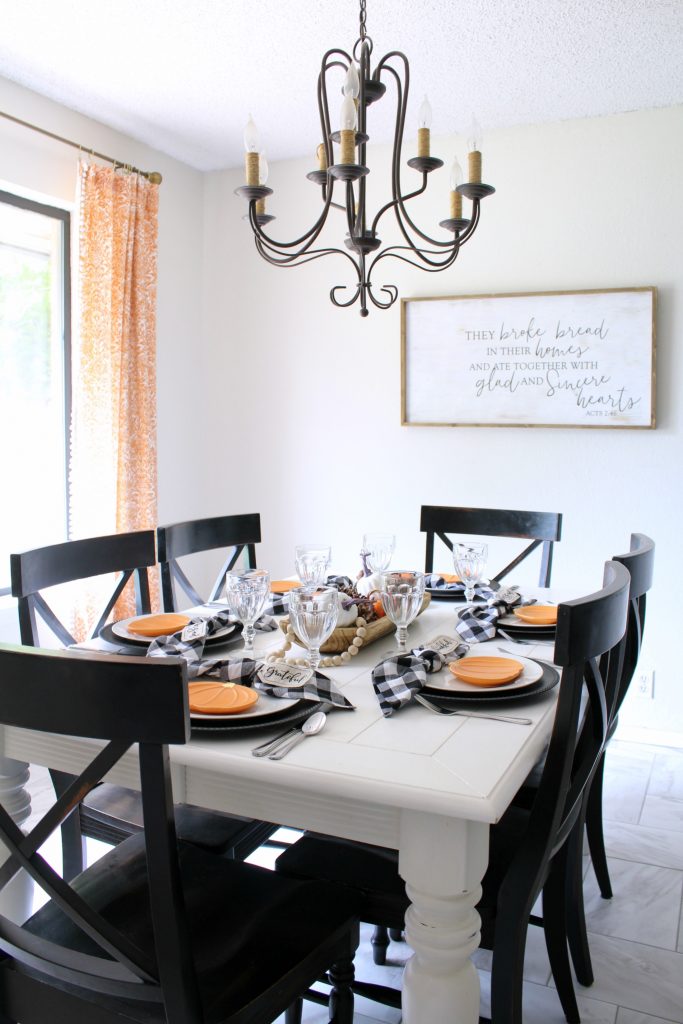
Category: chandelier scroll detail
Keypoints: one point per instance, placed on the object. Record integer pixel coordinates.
(362, 87)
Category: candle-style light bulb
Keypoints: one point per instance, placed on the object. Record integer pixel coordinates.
(456, 198)
(474, 136)
(424, 114)
(456, 174)
(251, 136)
(251, 157)
(474, 154)
(352, 83)
(348, 114)
(424, 122)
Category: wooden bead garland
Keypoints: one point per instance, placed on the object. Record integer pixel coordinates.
(332, 662)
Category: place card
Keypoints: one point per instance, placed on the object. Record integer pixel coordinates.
(443, 644)
(195, 631)
(281, 673)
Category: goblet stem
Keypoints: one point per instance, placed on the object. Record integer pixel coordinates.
(401, 639)
(314, 657)
(248, 634)
(469, 591)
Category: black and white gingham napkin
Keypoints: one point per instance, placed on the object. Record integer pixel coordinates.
(397, 679)
(478, 623)
(243, 670)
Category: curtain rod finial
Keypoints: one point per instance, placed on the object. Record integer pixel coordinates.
(154, 178)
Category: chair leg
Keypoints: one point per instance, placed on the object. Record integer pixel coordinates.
(508, 965)
(396, 935)
(292, 1013)
(575, 910)
(596, 839)
(341, 976)
(555, 929)
(72, 839)
(380, 944)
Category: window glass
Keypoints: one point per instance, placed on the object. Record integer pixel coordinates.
(34, 350)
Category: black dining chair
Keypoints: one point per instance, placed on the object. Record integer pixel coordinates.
(111, 813)
(640, 564)
(157, 930)
(238, 534)
(530, 849)
(543, 529)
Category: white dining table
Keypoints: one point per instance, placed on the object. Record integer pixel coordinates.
(426, 785)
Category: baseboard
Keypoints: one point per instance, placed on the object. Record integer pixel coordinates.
(653, 737)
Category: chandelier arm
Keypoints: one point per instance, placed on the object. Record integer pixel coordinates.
(308, 238)
(298, 260)
(343, 305)
(432, 266)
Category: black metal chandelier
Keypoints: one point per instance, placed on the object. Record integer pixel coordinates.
(363, 246)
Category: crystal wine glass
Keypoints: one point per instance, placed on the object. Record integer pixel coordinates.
(378, 549)
(247, 593)
(470, 564)
(313, 615)
(401, 594)
(312, 562)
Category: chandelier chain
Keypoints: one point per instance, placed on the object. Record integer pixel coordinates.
(362, 20)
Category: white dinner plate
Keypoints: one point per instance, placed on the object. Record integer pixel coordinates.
(446, 681)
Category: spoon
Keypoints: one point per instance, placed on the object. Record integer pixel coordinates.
(468, 714)
(311, 726)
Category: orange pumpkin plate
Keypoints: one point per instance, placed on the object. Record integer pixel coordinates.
(283, 586)
(158, 625)
(486, 671)
(212, 698)
(538, 614)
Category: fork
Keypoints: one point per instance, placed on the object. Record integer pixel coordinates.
(468, 714)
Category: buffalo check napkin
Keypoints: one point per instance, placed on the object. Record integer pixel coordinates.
(242, 670)
(478, 622)
(396, 680)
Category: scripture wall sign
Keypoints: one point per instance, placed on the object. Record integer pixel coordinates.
(584, 359)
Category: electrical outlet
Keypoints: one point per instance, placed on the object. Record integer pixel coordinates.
(645, 684)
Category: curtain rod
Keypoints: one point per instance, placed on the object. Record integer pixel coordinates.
(152, 176)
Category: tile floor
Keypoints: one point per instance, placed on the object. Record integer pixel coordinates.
(636, 939)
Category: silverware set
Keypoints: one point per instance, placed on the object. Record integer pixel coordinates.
(277, 748)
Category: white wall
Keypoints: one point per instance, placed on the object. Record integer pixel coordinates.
(311, 393)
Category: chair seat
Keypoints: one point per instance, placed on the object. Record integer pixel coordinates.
(249, 926)
(113, 813)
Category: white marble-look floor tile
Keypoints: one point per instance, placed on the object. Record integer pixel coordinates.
(666, 778)
(634, 1017)
(647, 908)
(542, 1006)
(625, 785)
(643, 844)
(637, 977)
(662, 812)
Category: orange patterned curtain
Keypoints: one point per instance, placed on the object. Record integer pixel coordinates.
(113, 473)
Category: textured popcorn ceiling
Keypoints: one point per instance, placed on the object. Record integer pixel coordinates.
(183, 76)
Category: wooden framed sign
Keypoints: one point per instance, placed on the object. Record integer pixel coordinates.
(553, 359)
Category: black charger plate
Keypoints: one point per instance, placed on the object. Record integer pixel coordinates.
(488, 698)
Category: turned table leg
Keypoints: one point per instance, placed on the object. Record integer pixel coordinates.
(442, 861)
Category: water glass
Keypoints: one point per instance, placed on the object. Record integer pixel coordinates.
(313, 615)
(378, 549)
(247, 593)
(312, 562)
(470, 564)
(402, 594)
